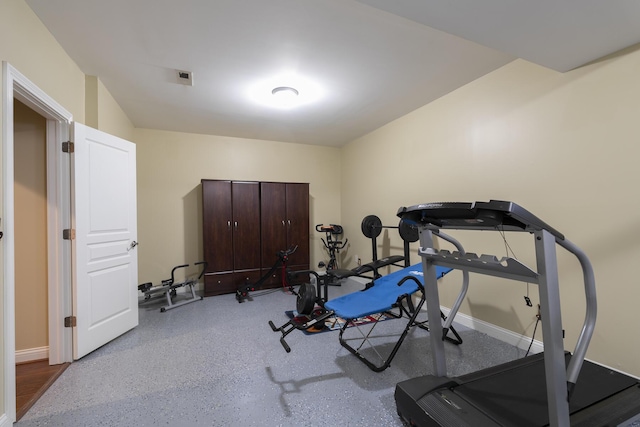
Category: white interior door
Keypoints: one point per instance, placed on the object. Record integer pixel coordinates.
(105, 270)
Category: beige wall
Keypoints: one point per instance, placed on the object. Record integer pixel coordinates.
(30, 229)
(28, 46)
(111, 117)
(171, 165)
(103, 112)
(564, 146)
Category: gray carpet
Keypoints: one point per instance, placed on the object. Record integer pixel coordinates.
(217, 363)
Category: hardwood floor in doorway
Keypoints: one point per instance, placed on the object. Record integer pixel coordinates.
(32, 380)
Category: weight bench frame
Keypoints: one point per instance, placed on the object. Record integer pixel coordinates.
(320, 294)
(368, 268)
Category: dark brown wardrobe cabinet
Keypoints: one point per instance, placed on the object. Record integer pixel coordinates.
(245, 224)
(284, 223)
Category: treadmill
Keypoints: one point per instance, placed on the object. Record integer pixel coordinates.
(553, 388)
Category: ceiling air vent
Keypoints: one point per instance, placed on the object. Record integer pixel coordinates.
(185, 77)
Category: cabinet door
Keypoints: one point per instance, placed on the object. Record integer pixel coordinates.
(246, 225)
(297, 208)
(217, 225)
(218, 284)
(228, 283)
(273, 221)
(273, 227)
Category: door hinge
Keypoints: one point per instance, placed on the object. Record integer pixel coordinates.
(68, 147)
(68, 234)
(70, 322)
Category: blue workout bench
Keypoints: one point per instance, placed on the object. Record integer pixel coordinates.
(386, 294)
(383, 294)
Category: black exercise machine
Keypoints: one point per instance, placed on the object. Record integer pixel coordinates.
(553, 388)
(382, 296)
(309, 295)
(169, 287)
(386, 295)
(312, 297)
(332, 245)
(282, 257)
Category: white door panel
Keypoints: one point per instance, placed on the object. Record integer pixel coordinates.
(105, 265)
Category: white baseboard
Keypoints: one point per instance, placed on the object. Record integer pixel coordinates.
(614, 369)
(512, 338)
(4, 421)
(32, 354)
(496, 332)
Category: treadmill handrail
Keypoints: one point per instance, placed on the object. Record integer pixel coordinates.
(591, 310)
(465, 281)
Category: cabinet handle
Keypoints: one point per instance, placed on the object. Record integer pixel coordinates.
(283, 222)
(229, 225)
(289, 222)
(235, 223)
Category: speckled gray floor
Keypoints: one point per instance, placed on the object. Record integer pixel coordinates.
(217, 363)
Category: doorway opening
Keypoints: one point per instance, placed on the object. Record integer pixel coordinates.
(34, 372)
(58, 256)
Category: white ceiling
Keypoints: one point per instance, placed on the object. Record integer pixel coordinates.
(374, 60)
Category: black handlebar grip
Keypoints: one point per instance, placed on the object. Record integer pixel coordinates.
(285, 345)
(273, 326)
(175, 268)
(204, 269)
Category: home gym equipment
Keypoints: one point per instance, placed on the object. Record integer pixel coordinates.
(553, 388)
(281, 262)
(371, 227)
(308, 296)
(383, 295)
(387, 294)
(169, 288)
(331, 245)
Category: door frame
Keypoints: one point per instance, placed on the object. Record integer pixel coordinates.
(16, 85)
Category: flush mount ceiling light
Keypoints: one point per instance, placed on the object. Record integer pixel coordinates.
(285, 91)
(285, 96)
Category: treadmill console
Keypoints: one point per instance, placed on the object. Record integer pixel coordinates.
(491, 215)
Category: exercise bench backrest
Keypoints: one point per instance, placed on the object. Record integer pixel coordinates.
(382, 295)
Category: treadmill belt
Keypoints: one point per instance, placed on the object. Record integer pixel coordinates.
(519, 396)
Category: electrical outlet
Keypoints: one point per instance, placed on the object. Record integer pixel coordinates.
(538, 315)
(358, 261)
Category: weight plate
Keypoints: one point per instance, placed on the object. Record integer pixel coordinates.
(306, 299)
(371, 226)
(407, 232)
